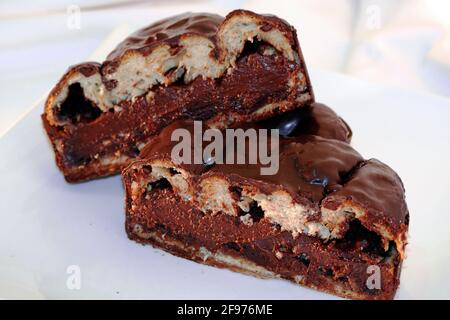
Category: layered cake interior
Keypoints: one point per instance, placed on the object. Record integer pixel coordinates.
(226, 71)
(323, 220)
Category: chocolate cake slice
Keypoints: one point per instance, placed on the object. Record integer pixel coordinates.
(327, 219)
(226, 71)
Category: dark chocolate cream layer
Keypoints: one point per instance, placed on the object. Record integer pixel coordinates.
(160, 218)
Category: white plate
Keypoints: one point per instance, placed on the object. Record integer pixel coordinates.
(48, 225)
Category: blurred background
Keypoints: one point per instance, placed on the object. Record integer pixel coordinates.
(400, 43)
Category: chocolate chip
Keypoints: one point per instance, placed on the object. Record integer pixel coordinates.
(232, 245)
(303, 257)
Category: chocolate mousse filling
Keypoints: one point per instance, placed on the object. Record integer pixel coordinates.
(262, 249)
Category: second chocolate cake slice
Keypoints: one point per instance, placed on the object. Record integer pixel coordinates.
(326, 219)
(241, 68)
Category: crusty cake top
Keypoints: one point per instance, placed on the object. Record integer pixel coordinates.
(169, 31)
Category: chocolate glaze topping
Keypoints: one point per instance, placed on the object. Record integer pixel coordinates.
(171, 30)
(379, 190)
(310, 167)
(168, 31)
(316, 171)
(315, 119)
(307, 124)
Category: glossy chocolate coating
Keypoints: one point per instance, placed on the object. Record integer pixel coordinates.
(314, 119)
(168, 31)
(316, 171)
(308, 166)
(379, 190)
(171, 30)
